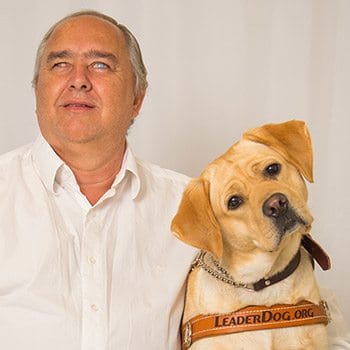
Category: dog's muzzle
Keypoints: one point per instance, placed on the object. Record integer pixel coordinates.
(277, 207)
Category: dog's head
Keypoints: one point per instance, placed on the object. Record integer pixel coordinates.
(253, 196)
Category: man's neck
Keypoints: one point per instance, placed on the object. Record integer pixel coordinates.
(94, 169)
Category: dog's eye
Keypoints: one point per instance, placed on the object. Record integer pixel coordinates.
(273, 169)
(234, 202)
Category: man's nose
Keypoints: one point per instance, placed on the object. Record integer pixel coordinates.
(79, 79)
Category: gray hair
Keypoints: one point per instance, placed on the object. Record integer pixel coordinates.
(139, 69)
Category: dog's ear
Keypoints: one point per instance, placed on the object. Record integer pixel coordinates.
(291, 139)
(195, 222)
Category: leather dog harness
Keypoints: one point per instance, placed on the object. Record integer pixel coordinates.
(252, 318)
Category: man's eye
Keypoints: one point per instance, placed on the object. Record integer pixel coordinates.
(100, 65)
(60, 65)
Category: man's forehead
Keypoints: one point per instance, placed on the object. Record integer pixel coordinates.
(87, 30)
(86, 21)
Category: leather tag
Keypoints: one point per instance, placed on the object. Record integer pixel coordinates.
(317, 252)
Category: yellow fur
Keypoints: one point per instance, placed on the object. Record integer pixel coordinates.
(245, 241)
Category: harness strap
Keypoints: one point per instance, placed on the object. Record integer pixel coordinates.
(253, 318)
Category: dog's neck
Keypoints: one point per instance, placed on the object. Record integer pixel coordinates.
(250, 266)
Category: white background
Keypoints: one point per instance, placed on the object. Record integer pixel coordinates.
(217, 68)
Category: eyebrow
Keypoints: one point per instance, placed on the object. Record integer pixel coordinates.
(53, 55)
(58, 54)
(101, 54)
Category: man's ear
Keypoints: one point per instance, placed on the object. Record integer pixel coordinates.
(291, 139)
(138, 100)
(195, 222)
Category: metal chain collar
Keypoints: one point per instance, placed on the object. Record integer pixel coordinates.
(218, 272)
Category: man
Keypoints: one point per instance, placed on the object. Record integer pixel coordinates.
(86, 257)
(87, 260)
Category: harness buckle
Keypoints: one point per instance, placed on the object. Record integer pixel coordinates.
(326, 308)
(188, 335)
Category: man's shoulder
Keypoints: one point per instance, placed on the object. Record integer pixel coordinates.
(14, 155)
(11, 159)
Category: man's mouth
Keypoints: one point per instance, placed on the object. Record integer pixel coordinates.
(78, 105)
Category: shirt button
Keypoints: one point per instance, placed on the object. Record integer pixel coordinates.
(94, 307)
(92, 260)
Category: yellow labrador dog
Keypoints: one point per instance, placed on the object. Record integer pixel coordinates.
(253, 287)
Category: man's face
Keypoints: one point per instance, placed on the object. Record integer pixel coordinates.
(85, 89)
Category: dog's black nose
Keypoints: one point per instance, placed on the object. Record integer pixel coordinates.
(276, 205)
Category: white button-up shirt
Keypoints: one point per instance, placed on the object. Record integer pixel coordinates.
(104, 277)
(80, 277)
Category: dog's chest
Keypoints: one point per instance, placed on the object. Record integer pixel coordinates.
(207, 294)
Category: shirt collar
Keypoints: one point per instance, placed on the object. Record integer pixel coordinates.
(49, 165)
(129, 166)
(46, 161)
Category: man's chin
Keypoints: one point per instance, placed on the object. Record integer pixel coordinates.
(70, 139)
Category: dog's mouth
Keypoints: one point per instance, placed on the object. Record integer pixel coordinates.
(284, 217)
(288, 222)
